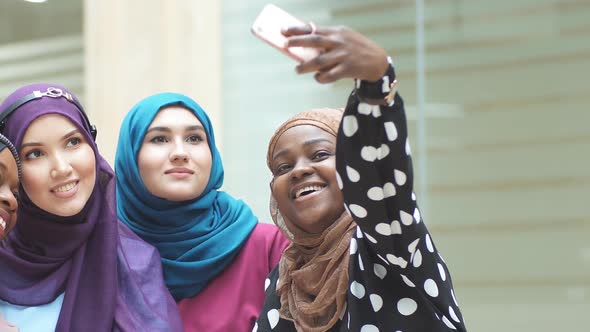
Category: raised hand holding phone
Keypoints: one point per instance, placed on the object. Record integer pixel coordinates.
(269, 25)
(345, 53)
(332, 53)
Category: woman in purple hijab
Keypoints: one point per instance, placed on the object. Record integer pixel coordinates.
(69, 264)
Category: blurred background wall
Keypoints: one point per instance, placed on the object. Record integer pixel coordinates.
(498, 111)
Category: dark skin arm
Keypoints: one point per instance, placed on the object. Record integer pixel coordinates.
(345, 53)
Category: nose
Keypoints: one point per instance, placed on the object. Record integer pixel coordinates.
(61, 167)
(7, 199)
(302, 168)
(179, 154)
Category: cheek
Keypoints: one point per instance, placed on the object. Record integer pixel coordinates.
(34, 177)
(14, 181)
(148, 160)
(279, 192)
(202, 157)
(87, 161)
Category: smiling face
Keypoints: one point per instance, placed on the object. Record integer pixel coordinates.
(8, 191)
(58, 165)
(174, 160)
(304, 183)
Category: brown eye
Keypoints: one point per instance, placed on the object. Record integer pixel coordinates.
(194, 139)
(33, 154)
(158, 140)
(73, 141)
(282, 168)
(321, 155)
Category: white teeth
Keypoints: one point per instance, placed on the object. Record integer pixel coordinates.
(308, 188)
(2, 223)
(67, 187)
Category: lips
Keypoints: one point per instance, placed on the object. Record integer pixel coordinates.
(306, 189)
(66, 187)
(4, 222)
(179, 170)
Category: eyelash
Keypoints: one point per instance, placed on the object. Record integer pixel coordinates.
(159, 139)
(316, 157)
(163, 139)
(197, 138)
(33, 154)
(72, 142)
(281, 169)
(322, 155)
(77, 141)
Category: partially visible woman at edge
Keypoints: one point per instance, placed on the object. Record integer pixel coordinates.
(8, 186)
(215, 254)
(69, 264)
(361, 258)
(9, 169)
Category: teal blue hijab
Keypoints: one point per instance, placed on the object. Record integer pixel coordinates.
(197, 239)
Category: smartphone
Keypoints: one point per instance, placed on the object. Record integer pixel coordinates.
(268, 25)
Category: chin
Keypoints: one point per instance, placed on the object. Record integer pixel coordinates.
(312, 224)
(176, 197)
(68, 211)
(66, 214)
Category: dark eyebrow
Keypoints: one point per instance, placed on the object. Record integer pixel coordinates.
(73, 132)
(29, 144)
(166, 129)
(195, 128)
(306, 143)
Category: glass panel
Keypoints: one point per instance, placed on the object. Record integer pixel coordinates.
(508, 159)
(41, 42)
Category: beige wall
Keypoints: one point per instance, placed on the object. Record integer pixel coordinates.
(135, 48)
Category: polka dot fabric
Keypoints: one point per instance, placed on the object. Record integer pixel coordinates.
(397, 279)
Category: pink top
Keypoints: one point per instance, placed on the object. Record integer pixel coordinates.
(232, 301)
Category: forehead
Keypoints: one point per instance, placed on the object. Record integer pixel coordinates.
(175, 116)
(58, 123)
(301, 136)
(7, 159)
(8, 169)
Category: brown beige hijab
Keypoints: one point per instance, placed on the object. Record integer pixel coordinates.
(313, 270)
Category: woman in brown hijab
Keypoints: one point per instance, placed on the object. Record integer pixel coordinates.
(361, 257)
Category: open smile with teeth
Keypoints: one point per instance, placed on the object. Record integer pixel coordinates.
(308, 190)
(66, 187)
(2, 224)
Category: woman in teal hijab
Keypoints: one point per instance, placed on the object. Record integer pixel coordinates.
(169, 173)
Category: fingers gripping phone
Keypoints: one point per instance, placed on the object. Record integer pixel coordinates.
(268, 25)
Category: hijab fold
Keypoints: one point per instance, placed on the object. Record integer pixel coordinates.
(197, 239)
(313, 270)
(90, 256)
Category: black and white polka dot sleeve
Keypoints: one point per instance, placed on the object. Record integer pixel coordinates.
(374, 167)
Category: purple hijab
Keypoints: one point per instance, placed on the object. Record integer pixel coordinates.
(112, 279)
